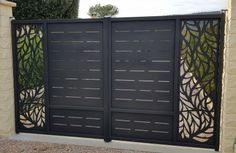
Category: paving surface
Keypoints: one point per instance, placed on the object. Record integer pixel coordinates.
(13, 146)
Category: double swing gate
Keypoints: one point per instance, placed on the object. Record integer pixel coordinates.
(151, 79)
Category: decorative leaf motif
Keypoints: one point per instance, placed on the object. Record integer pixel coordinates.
(30, 75)
(199, 46)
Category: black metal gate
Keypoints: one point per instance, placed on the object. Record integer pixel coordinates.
(152, 79)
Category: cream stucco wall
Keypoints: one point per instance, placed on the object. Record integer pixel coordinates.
(228, 127)
(7, 125)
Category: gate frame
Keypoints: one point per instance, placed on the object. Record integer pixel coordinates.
(107, 73)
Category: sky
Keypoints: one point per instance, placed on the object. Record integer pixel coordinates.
(134, 8)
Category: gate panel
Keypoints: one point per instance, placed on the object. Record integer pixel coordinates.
(142, 79)
(76, 77)
(142, 126)
(28, 45)
(76, 121)
(200, 42)
(142, 65)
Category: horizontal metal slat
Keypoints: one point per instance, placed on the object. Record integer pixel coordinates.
(75, 35)
(141, 104)
(153, 46)
(74, 27)
(141, 66)
(74, 65)
(144, 25)
(74, 46)
(68, 55)
(75, 83)
(147, 95)
(141, 59)
(79, 73)
(61, 100)
(142, 86)
(146, 75)
(143, 35)
(82, 108)
(81, 92)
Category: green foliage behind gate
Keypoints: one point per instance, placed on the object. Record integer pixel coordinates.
(46, 9)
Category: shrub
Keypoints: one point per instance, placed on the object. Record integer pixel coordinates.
(46, 9)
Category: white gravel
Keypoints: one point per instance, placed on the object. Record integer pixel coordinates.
(15, 146)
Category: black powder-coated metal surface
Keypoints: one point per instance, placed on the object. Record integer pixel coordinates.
(121, 78)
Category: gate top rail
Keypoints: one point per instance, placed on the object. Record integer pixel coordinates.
(169, 17)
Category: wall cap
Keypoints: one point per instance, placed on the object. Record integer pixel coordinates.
(7, 3)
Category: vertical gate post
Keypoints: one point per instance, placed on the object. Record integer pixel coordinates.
(176, 80)
(46, 69)
(107, 78)
(7, 118)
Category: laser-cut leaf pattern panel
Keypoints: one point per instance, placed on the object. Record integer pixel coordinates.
(30, 68)
(198, 61)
